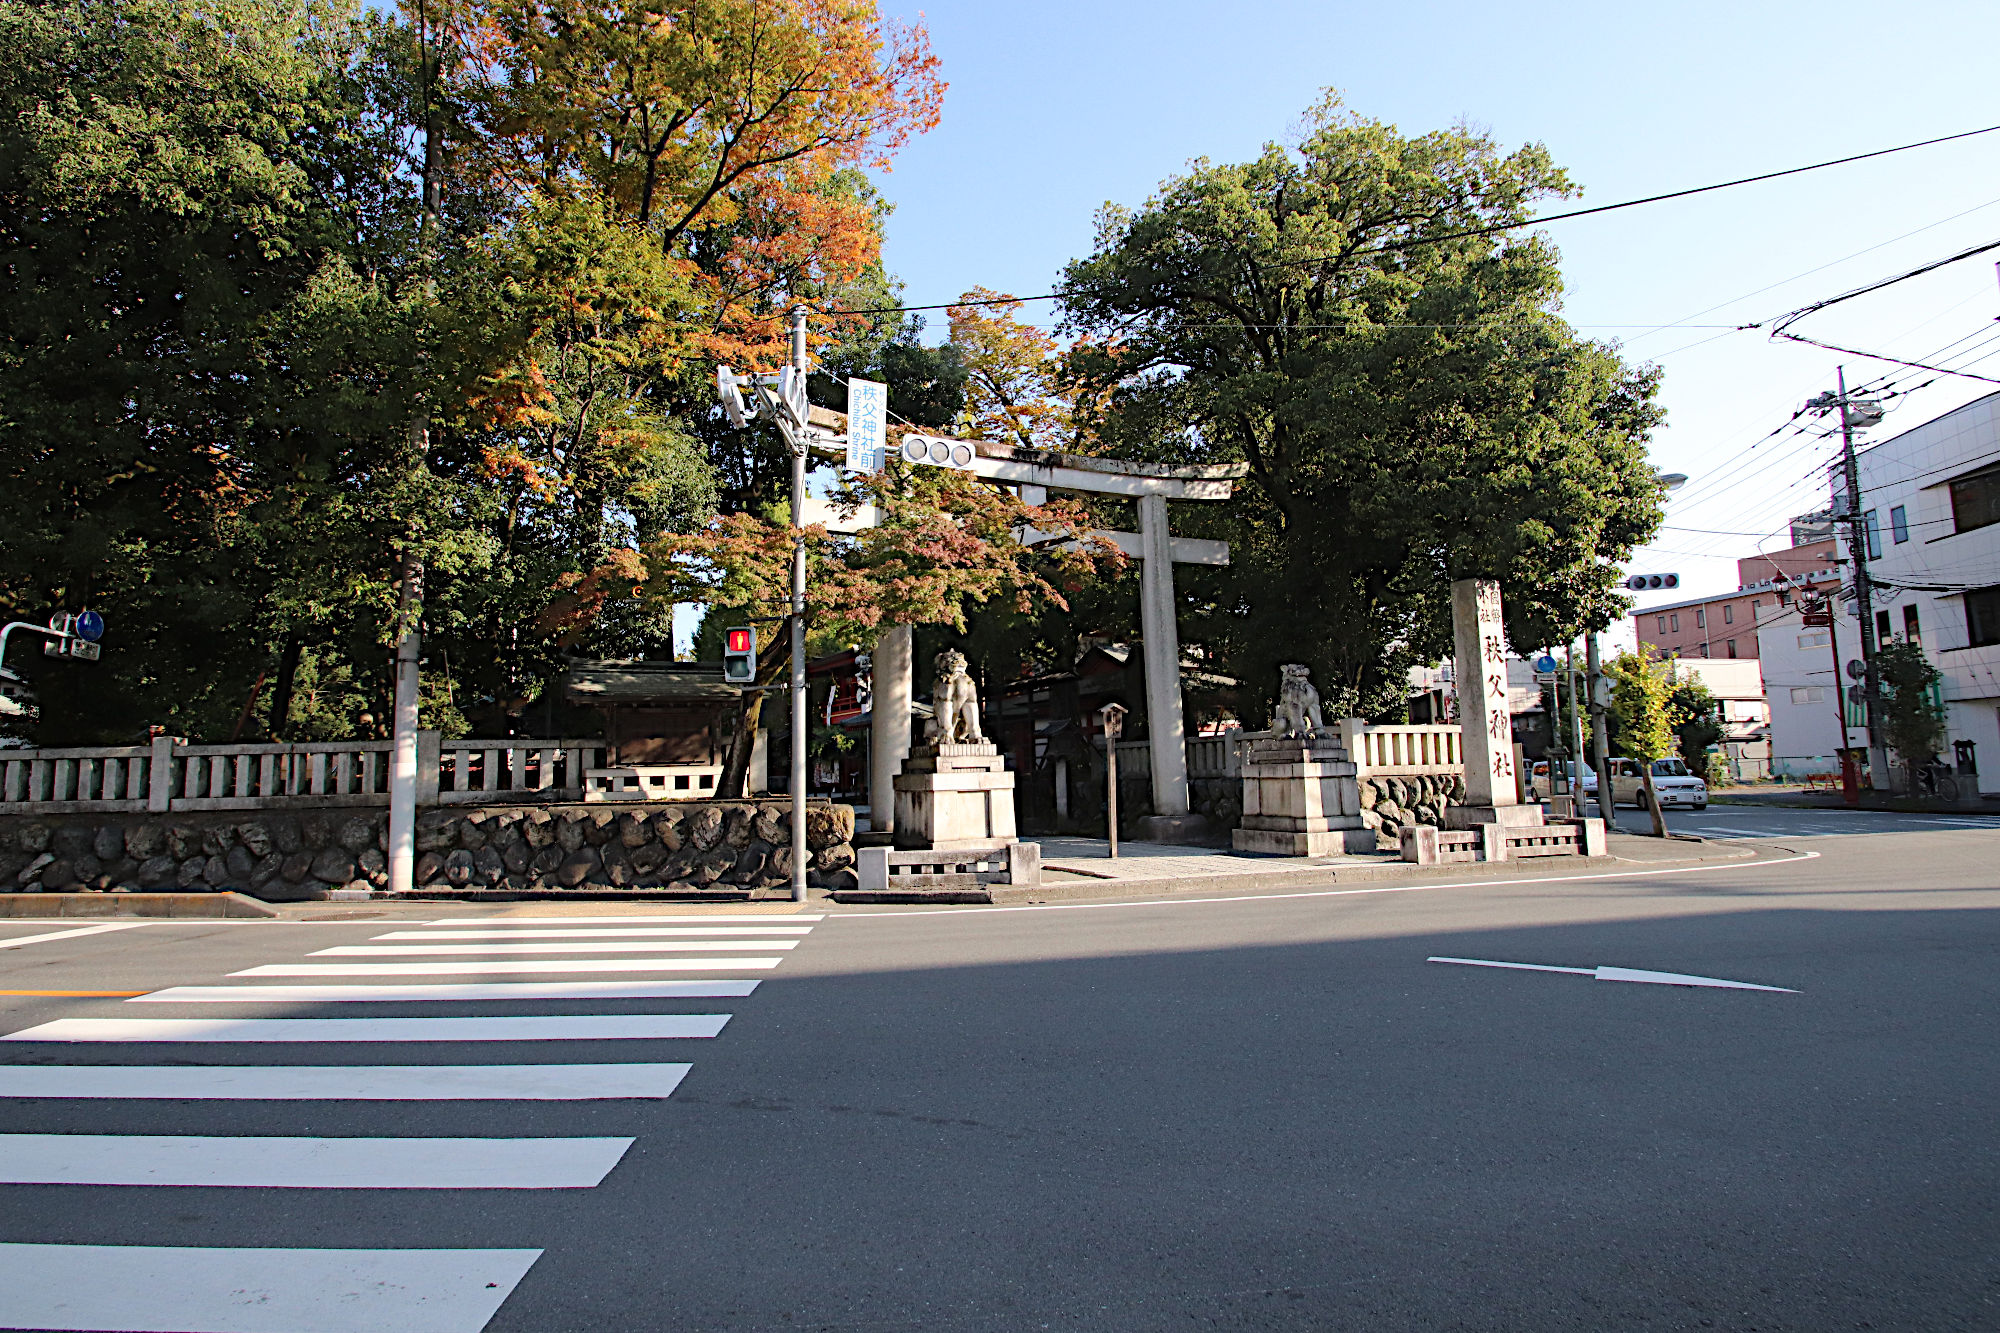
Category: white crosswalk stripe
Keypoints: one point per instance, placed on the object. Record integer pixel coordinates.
(262, 1290)
(543, 946)
(145, 1288)
(500, 966)
(583, 932)
(359, 1083)
(449, 991)
(514, 1027)
(286, 1163)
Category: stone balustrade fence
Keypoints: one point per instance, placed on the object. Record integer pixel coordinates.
(170, 775)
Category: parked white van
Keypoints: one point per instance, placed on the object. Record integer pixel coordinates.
(1678, 788)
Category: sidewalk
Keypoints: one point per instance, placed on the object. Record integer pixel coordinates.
(1799, 798)
(1078, 869)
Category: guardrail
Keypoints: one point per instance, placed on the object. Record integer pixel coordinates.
(170, 775)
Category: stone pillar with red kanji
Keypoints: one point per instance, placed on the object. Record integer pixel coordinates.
(1481, 683)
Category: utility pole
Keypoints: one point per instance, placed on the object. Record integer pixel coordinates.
(1857, 541)
(797, 442)
(1600, 740)
(404, 717)
(1576, 706)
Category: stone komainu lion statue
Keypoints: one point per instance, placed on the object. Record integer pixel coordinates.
(1297, 713)
(954, 702)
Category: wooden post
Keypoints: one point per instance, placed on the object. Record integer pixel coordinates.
(1114, 726)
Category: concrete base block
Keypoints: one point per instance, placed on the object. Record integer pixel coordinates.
(1024, 863)
(1420, 844)
(1509, 816)
(1493, 838)
(1593, 837)
(1325, 842)
(1172, 829)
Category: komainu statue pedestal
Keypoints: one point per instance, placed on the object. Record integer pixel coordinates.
(954, 796)
(1301, 798)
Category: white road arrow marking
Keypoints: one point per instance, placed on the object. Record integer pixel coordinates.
(1620, 974)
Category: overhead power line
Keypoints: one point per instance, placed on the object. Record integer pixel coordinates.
(1418, 241)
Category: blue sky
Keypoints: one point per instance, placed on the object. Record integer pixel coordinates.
(1056, 108)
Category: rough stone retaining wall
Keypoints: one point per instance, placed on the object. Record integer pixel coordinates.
(722, 848)
(1389, 804)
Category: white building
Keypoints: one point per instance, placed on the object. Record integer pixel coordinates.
(1799, 683)
(1931, 502)
(1738, 686)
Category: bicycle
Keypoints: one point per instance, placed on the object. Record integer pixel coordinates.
(1934, 779)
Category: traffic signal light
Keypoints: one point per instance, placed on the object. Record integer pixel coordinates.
(1644, 582)
(739, 655)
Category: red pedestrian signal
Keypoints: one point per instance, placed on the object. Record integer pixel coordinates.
(739, 655)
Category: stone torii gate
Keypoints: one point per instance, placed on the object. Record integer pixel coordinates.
(1034, 473)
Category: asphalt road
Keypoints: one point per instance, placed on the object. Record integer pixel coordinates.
(1263, 1113)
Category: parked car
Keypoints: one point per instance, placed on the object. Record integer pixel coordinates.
(1538, 780)
(1678, 788)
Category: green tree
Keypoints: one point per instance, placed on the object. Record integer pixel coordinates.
(1912, 717)
(1412, 408)
(1644, 717)
(1700, 727)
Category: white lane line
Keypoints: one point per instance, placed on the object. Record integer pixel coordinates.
(552, 946)
(1619, 974)
(1731, 831)
(19, 940)
(450, 991)
(580, 933)
(525, 1027)
(509, 966)
(780, 918)
(307, 1164)
(361, 1083)
(143, 1289)
(1209, 901)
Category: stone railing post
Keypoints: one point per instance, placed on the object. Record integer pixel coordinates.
(430, 751)
(160, 774)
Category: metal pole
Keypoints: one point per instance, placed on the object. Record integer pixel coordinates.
(1600, 737)
(403, 757)
(1850, 792)
(1575, 730)
(797, 441)
(1857, 541)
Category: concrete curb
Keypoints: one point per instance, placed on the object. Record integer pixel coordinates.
(1309, 877)
(186, 906)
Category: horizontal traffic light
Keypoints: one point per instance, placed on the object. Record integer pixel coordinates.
(1646, 582)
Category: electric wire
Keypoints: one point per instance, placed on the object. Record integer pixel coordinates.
(1416, 242)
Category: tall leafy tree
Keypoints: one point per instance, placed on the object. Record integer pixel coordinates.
(1350, 317)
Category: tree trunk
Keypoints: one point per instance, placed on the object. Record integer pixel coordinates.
(1653, 802)
(736, 768)
(278, 722)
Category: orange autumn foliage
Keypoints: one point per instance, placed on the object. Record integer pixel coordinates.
(718, 125)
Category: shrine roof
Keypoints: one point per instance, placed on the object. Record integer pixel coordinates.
(641, 682)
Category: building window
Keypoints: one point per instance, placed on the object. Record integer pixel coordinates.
(1874, 535)
(1910, 624)
(1982, 617)
(1703, 652)
(1675, 621)
(1881, 627)
(1784, 599)
(1701, 619)
(1816, 639)
(1729, 613)
(1732, 647)
(1756, 605)
(1808, 694)
(1899, 525)
(1975, 501)
(1663, 625)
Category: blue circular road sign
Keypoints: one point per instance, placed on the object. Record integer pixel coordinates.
(89, 626)
(1545, 663)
